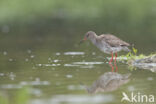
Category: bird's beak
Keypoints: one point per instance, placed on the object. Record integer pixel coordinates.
(85, 38)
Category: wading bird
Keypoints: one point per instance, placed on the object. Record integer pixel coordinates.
(107, 43)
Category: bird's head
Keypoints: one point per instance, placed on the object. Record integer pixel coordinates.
(89, 35)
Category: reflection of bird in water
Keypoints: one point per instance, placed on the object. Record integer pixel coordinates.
(109, 81)
(107, 43)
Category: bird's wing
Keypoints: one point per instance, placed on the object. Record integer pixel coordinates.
(113, 40)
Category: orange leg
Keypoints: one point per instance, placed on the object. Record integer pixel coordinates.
(110, 62)
(115, 62)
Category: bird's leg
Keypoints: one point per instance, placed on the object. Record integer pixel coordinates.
(110, 62)
(111, 59)
(115, 62)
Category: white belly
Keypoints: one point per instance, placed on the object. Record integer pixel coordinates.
(106, 48)
(109, 50)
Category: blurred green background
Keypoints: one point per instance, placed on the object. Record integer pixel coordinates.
(131, 20)
(36, 34)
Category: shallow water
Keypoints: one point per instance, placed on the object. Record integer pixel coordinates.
(60, 77)
(57, 70)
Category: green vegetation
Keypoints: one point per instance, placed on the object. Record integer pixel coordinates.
(132, 56)
(129, 12)
(3, 100)
(127, 19)
(21, 97)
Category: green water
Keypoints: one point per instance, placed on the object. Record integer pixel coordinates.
(56, 69)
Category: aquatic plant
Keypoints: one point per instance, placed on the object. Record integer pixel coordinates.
(132, 56)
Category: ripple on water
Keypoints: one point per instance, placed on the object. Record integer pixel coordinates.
(83, 64)
(1, 74)
(32, 56)
(24, 83)
(89, 66)
(74, 87)
(131, 88)
(58, 53)
(88, 63)
(74, 53)
(26, 59)
(12, 76)
(55, 61)
(33, 91)
(29, 51)
(5, 53)
(10, 59)
(75, 99)
(11, 86)
(69, 76)
(36, 92)
(34, 83)
(48, 65)
(150, 78)
(70, 65)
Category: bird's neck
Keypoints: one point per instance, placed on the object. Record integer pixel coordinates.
(93, 88)
(93, 39)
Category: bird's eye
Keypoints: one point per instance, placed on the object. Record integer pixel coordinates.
(87, 35)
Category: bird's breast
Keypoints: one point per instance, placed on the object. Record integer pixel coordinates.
(105, 48)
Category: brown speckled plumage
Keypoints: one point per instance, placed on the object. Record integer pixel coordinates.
(107, 43)
(112, 40)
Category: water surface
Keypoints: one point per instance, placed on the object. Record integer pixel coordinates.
(57, 71)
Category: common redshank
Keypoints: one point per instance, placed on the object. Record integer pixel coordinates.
(107, 43)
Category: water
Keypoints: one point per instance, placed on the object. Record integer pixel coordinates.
(58, 71)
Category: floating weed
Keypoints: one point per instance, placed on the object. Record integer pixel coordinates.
(131, 67)
(134, 50)
(130, 57)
